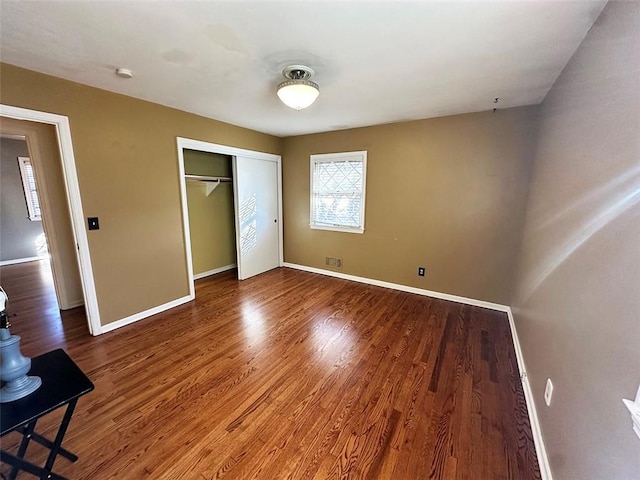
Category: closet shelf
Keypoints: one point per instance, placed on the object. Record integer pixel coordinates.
(210, 182)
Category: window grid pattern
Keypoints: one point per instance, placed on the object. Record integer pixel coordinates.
(30, 189)
(338, 190)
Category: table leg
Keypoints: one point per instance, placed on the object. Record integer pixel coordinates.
(21, 464)
(55, 449)
(36, 437)
(22, 450)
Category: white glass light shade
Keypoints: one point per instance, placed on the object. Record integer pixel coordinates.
(298, 94)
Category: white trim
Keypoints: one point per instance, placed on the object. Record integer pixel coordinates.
(191, 144)
(335, 228)
(147, 313)
(208, 273)
(185, 216)
(21, 260)
(280, 217)
(403, 288)
(541, 452)
(9, 136)
(72, 187)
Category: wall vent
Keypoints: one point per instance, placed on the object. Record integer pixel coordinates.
(333, 262)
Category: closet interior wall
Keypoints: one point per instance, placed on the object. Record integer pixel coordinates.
(211, 214)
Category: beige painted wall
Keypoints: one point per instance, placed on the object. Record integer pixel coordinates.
(446, 193)
(126, 157)
(211, 221)
(42, 142)
(577, 307)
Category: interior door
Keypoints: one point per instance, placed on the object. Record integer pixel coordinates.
(257, 218)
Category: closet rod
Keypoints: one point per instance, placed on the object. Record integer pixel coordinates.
(205, 178)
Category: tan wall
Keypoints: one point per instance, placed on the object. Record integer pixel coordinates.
(211, 218)
(126, 157)
(577, 307)
(42, 143)
(445, 193)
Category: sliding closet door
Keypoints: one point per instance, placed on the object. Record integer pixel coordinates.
(257, 222)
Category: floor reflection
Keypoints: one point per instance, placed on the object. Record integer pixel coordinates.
(253, 323)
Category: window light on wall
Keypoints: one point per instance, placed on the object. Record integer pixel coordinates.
(338, 182)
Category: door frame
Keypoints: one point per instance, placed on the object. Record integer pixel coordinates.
(208, 147)
(74, 200)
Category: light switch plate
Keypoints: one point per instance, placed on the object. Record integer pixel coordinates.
(93, 223)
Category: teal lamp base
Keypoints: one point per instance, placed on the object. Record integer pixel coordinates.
(14, 368)
(19, 388)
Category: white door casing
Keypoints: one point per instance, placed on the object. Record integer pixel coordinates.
(72, 186)
(198, 145)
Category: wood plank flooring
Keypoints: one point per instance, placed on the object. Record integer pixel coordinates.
(288, 375)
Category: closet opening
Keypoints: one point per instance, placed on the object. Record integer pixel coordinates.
(231, 209)
(209, 185)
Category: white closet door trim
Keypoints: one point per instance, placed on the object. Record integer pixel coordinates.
(201, 146)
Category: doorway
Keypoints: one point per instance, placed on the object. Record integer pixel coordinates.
(67, 238)
(25, 264)
(22, 237)
(211, 215)
(257, 191)
(38, 205)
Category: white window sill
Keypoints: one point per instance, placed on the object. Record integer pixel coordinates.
(337, 228)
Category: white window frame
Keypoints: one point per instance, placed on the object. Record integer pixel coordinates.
(25, 164)
(338, 157)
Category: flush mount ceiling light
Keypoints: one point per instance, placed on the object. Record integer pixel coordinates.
(298, 91)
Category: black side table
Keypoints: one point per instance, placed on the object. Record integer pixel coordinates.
(62, 384)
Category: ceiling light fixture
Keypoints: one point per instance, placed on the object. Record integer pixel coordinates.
(298, 91)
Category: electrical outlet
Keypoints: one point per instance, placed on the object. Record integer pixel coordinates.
(548, 392)
(421, 271)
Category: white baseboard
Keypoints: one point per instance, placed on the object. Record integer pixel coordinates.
(541, 452)
(139, 316)
(160, 308)
(198, 276)
(20, 260)
(71, 305)
(403, 288)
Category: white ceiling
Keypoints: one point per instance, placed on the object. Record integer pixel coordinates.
(375, 62)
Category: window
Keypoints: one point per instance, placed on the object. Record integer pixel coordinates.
(29, 185)
(338, 191)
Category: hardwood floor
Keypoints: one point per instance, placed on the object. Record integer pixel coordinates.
(288, 375)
